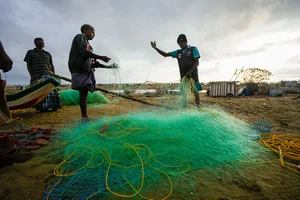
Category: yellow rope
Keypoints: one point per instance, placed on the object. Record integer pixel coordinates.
(285, 145)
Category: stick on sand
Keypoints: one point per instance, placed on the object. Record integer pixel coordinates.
(120, 95)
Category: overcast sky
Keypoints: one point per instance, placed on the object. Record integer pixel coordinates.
(229, 34)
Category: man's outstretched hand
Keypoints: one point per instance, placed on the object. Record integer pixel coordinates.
(153, 44)
(114, 66)
(105, 58)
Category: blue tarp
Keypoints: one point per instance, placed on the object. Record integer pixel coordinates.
(245, 92)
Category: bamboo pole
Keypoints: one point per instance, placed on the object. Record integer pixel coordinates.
(120, 95)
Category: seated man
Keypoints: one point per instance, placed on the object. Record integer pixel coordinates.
(40, 65)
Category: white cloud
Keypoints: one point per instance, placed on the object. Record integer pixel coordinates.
(228, 34)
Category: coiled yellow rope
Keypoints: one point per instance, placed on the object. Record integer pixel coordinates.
(285, 145)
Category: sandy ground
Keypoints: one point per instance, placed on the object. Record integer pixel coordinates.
(30, 179)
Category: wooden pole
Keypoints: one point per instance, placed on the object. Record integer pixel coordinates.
(120, 95)
(239, 73)
(235, 71)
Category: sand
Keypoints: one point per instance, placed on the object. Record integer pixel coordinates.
(30, 179)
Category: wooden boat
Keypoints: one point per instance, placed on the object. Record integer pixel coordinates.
(32, 95)
(29, 97)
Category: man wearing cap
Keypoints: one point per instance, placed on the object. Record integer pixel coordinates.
(188, 61)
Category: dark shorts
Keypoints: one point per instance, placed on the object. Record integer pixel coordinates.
(84, 81)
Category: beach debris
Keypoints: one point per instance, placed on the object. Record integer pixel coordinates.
(41, 142)
(32, 147)
(263, 126)
(28, 139)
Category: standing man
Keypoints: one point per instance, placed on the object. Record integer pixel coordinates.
(5, 65)
(188, 61)
(40, 65)
(6, 157)
(82, 62)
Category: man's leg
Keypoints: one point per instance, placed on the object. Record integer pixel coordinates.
(3, 104)
(83, 93)
(197, 98)
(196, 89)
(196, 94)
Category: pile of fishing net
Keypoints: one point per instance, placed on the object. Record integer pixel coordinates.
(153, 155)
(71, 97)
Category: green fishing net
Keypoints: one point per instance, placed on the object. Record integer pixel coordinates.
(71, 97)
(151, 155)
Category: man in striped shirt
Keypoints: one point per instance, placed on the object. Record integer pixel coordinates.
(40, 65)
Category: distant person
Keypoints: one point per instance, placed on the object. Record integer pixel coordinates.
(5, 65)
(40, 66)
(7, 151)
(82, 62)
(188, 61)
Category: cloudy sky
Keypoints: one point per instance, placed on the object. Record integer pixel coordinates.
(229, 34)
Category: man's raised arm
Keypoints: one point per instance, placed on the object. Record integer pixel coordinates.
(153, 44)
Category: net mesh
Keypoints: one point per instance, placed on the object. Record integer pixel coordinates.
(151, 155)
(71, 97)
